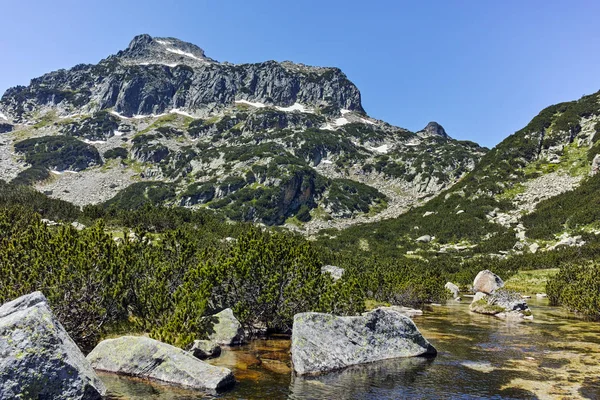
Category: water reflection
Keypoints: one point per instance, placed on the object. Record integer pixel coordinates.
(377, 380)
(479, 357)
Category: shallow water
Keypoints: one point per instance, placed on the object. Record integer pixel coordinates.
(480, 357)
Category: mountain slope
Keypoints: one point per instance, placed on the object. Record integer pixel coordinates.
(271, 142)
(533, 190)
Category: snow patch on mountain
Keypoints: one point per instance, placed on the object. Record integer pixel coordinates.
(180, 112)
(249, 103)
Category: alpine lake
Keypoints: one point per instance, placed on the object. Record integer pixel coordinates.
(555, 356)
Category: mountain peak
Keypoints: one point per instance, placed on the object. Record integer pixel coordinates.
(144, 49)
(434, 129)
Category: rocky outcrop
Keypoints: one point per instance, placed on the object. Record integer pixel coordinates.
(225, 329)
(595, 165)
(325, 342)
(434, 129)
(423, 239)
(487, 282)
(502, 303)
(335, 272)
(38, 359)
(204, 349)
(147, 358)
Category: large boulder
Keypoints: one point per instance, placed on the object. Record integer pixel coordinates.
(325, 342)
(226, 330)
(38, 359)
(487, 282)
(147, 358)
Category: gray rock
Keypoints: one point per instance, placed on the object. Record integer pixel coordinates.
(325, 342)
(487, 282)
(335, 272)
(78, 225)
(423, 239)
(479, 296)
(204, 349)
(534, 247)
(452, 288)
(150, 359)
(434, 129)
(595, 164)
(38, 359)
(502, 303)
(226, 329)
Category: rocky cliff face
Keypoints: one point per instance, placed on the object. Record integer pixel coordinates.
(156, 75)
(263, 142)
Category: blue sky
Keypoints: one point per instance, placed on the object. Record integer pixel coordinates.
(481, 68)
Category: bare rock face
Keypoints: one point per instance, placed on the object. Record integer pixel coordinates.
(38, 359)
(155, 75)
(325, 342)
(487, 282)
(148, 358)
(434, 129)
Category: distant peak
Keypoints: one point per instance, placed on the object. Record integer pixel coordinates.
(434, 129)
(139, 41)
(144, 50)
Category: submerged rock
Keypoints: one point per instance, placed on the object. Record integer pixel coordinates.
(407, 311)
(487, 282)
(226, 329)
(204, 349)
(325, 342)
(148, 358)
(38, 359)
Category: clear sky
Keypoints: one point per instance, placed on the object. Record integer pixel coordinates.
(481, 68)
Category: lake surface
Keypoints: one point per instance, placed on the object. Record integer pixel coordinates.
(480, 357)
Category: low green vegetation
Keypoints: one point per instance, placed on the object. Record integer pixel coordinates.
(531, 282)
(117, 152)
(99, 126)
(577, 287)
(58, 152)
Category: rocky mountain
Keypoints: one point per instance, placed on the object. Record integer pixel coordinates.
(536, 190)
(269, 142)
